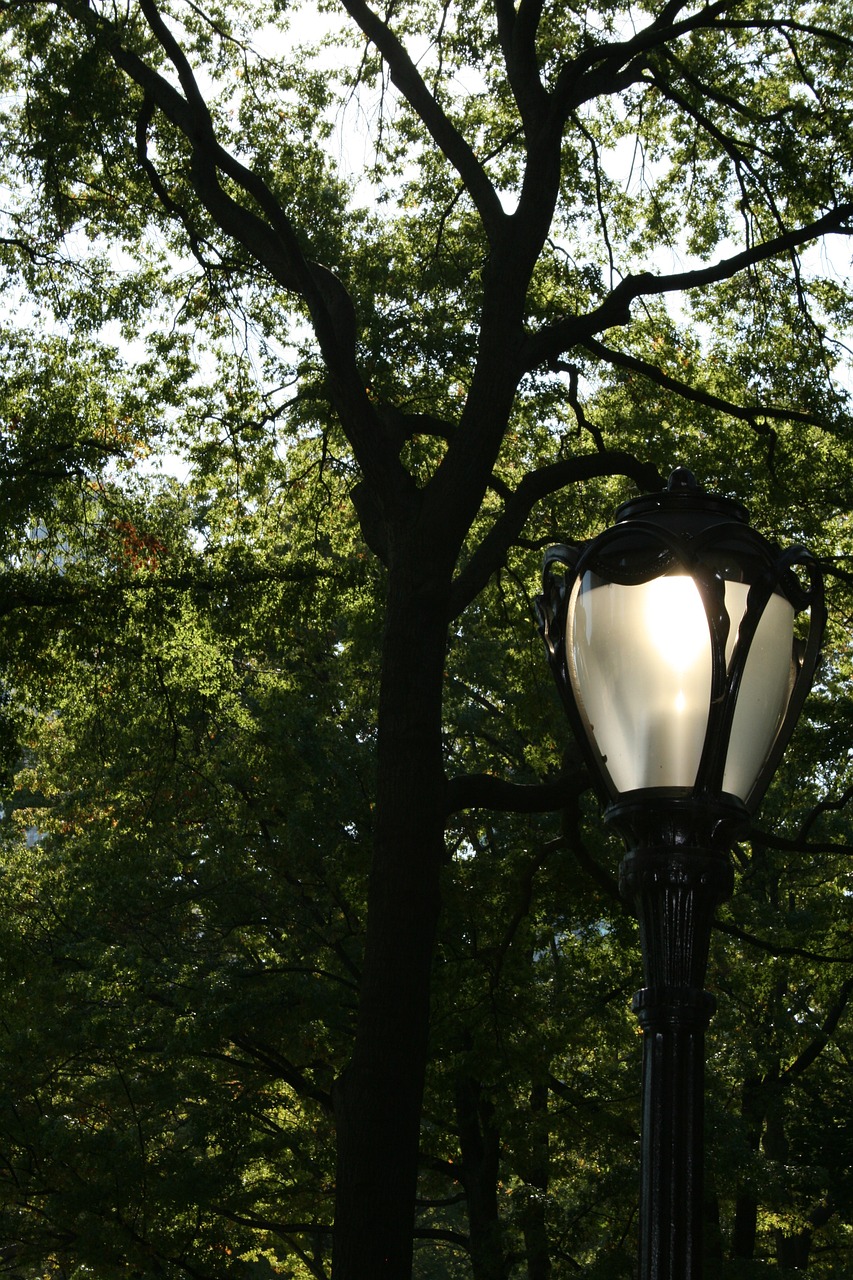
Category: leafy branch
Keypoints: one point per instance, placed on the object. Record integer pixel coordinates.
(269, 235)
(552, 341)
(446, 136)
(744, 413)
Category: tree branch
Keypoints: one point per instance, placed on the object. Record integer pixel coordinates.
(552, 341)
(765, 839)
(573, 397)
(12, 242)
(485, 791)
(442, 1233)
(734, 149)
(784, 25)
(326, 297)
(281, 1068)
(271, 239)
(621, 360)
(285, 1231)
(572, 837)
(54, 590)
(612, 66)
(444, 133)
(517, 33)
(490, 555)
(822, 807)
(174, 210)
(275, 1225)
(776, 948)
(599, 199)
(815, 1047)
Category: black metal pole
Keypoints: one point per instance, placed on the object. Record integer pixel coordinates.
(675, 885)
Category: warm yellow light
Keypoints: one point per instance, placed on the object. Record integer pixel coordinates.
(676, 622)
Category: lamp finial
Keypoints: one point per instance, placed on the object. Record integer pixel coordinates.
(682, 478)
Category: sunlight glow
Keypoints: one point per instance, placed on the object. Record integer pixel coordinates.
(676, 622)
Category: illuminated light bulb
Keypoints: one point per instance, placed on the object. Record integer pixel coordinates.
(676, 622)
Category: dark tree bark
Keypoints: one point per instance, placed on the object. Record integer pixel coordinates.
(792, 1251)
(712, 1233)
(378, 1097)
(534, 1226)
(479, 1142)
(746, 1201)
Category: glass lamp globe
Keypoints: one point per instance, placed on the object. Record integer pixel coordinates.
(678, 643)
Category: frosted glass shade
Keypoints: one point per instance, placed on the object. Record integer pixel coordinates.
(640, 663)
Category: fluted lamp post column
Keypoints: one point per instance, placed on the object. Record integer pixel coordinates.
(683, 644)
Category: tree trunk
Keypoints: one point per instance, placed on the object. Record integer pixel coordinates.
(480, 1147)
(746, 1201)
(792, 1252)
(536, 1174)
(378, 1097)
(712, 1235)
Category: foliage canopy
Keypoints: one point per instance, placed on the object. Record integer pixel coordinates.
(319, 325)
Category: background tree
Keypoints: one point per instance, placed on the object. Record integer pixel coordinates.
(577, 249)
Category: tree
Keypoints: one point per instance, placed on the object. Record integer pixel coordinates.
(475, 325)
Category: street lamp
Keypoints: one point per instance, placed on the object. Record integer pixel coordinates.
(683, 644)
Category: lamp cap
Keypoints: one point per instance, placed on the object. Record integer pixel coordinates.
(683, 496)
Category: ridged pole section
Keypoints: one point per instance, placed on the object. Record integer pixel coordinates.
(675, 892)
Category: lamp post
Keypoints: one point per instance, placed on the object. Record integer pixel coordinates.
(679, 644)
